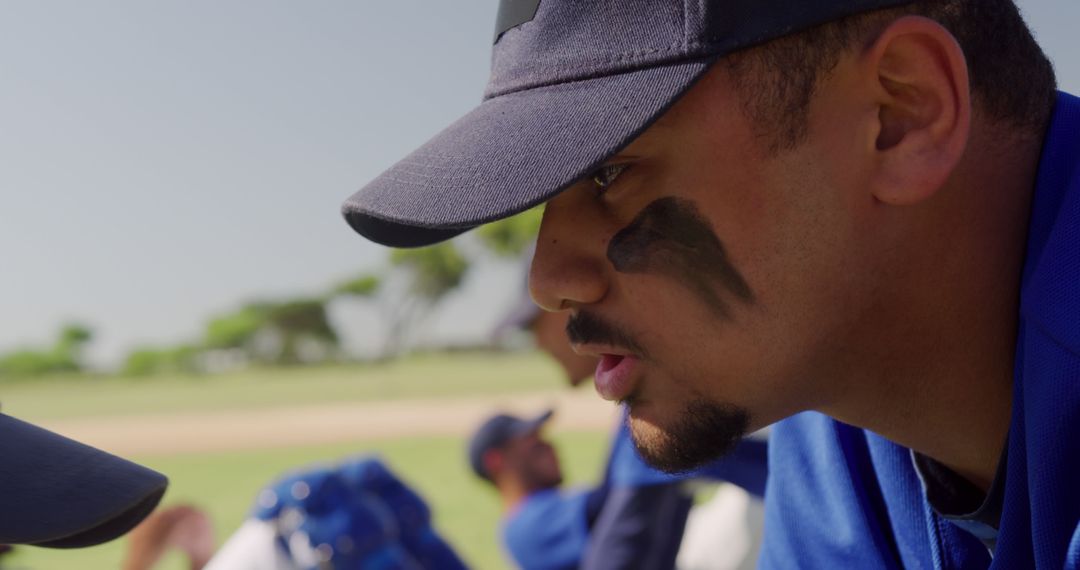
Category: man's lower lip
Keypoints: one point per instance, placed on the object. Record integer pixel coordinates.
(613, 379)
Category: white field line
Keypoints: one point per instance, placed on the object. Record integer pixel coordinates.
(228, 430)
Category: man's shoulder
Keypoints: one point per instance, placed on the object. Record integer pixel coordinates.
(815, 445)
(1051, 287)
(1048, 357)
(813, 456)
(840, 493)
(821, 496)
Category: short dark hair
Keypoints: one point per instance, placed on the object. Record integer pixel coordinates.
(1012, 81)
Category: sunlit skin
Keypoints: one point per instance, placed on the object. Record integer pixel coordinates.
(881, 253)
(524, 465)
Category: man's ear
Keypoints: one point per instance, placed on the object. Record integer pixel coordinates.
(924, 108)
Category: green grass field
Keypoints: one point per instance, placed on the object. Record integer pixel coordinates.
(225, 484)
(422, 376)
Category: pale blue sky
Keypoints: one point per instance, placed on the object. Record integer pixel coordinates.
(163, 161)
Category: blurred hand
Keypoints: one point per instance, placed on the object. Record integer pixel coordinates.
(183, 527)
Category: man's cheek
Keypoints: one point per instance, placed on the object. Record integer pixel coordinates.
(671, 239)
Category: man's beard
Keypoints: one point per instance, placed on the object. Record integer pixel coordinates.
(703, 432)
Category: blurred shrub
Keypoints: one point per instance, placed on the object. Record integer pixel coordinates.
(146, 361)
(237, 329)
(66, 355)
(434, 270)
(512, 236)
(364, 286)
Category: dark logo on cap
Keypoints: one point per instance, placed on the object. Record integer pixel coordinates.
(514, 13)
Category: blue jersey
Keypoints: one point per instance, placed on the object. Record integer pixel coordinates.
(842, 497)
(548, 530)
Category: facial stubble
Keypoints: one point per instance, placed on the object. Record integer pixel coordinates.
(702, 432)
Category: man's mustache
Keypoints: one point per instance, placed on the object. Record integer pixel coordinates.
(586, 328)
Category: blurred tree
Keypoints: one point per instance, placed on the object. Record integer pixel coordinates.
(66, 355)
(27, 362)
(284, 332)
(301, 323)
(416, 281)
(364, 286)
(74, 335)
(511, 237)
(145, 361)
(430, 273)
(183, 358)
(434, 271)
(236, 329)
(69, 347)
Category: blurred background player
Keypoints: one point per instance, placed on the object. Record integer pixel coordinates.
(356, 515)
(543, 526)
(351, 516)
(547, 527)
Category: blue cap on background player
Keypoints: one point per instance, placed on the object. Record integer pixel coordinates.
(495, 432)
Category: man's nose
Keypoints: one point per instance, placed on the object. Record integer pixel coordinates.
(569, 267)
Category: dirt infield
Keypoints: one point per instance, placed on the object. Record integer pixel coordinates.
(167, 434)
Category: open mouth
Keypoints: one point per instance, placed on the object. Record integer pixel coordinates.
(613, 379)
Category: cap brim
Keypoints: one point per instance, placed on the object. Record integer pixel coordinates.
(534, 424)
(59, 493)
(513, 152)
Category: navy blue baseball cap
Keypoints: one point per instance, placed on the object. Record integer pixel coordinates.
(572, 82)
(495, 432)
(56, 492)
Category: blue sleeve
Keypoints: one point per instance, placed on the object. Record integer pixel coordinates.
(548, 531)
(639, 527)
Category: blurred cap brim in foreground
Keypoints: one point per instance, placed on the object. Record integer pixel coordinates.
(58, 493)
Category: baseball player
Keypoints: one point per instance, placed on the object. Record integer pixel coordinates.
(857, 219)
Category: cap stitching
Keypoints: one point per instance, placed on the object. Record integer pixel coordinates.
(687, 56)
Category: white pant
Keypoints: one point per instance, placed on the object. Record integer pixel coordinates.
(724, 533)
